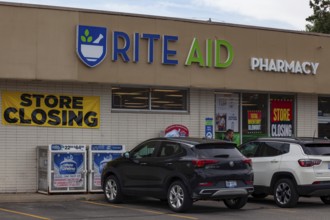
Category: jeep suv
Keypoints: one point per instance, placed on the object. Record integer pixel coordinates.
(290, 167)
(180, 171)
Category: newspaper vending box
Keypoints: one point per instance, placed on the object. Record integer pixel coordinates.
(62, 168)
(98, 156)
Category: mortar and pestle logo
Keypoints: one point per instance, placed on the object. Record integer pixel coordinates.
(90, 51)
(91, 44)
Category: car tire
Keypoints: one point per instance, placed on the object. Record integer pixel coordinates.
(236, 203)
(325, 199)
(178, 197)
(112, 190)
(259, 195)
(285, 193)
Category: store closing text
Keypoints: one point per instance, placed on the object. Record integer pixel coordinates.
(281, 130)
(50, 110)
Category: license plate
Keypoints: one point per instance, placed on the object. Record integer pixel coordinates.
(231, 183)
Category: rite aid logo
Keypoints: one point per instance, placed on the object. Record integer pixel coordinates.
(91, 44)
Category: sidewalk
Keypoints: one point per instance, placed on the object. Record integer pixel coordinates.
(38, 197)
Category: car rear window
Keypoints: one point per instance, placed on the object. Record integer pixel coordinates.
(217, 150)
(321, 149)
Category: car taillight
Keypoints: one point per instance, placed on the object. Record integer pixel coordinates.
(309, 162)
(205, 184)
(248, 161)
(203, 163)
(249, 182)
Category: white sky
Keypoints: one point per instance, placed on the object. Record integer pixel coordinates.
(283, 14)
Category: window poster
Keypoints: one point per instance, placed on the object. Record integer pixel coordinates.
(227, 112)
(254, 121)
(281, 117)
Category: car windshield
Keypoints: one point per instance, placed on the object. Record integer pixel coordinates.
(317, 149)
(217, 150)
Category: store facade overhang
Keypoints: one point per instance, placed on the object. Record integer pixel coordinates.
(147, 50)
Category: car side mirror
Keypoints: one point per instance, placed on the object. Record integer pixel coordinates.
(126, 155)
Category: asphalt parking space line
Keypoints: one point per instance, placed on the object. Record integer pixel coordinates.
(25, 214)
(102, 204)
(143, 210)
(278, 210)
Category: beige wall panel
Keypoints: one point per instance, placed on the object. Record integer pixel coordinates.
(323, 55)
(18, 54)
(56, 52)
(238, 74)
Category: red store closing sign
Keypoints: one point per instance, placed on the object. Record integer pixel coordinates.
(281, 117)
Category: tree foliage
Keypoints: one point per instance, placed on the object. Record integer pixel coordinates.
(320, 20)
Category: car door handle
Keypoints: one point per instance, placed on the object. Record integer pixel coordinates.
(274, 161)
(143, 163)
(169, 164)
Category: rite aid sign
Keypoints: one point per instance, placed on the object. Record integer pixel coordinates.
(91, 48)
(91, 44)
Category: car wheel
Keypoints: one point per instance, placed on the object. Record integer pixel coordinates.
(178, 197)
(285, 193)
(112, 190)
(259, 195)
(325, 199)
(236, 203)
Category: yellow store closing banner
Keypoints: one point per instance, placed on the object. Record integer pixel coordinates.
(52, 110)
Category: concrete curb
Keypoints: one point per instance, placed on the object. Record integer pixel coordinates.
(38, 197)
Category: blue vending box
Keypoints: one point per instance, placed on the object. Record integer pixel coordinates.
(98, 156)
(67, 168)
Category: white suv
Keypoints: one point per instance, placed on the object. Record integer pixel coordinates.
(290, 167)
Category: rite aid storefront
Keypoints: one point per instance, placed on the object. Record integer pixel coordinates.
(72, 76)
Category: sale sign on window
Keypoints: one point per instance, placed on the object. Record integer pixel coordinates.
(281, 117)
(254, 121)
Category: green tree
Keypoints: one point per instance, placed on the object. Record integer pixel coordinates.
(320, 20)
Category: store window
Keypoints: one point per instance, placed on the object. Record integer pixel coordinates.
(227, 115)
(149, 99)
(254, 115)
(324, 117)
(169, 99)
(130, 98)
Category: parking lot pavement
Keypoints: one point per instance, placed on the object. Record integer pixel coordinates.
(38, 197)
(94, 206)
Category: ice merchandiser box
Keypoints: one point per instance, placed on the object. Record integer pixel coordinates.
(98, 156)
(62, 168)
